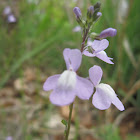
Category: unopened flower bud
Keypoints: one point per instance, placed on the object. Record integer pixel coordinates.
(93, 35)
(97, 16)
(77, 12)
(90, 12)
(109, 32)
(97, 6)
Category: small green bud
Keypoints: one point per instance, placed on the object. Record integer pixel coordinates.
(97, 6)
(93, 35)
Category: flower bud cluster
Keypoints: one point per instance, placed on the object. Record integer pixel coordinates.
(93, 15)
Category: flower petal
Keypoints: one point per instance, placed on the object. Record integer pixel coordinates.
(100, 45)
(101, 100)
(66, 57)
(108, 90)
(95, 74)
(62, 97)
(51, 82)
(84, 88)
(73, 58)
(118, 104)
(103, 56)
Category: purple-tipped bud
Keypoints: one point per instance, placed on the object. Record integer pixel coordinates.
(96, 16)
(90, 13)
(99, 14)
(77, 12)
(109, 32)
(91, 10)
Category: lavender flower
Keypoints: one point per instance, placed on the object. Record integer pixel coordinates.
(98, 47)
(11, 19)
(104, 95)
(109, 32)
(77, 29)
(67, 85)
(9, 138)
(7, 10)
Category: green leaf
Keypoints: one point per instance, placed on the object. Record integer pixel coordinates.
(64, 122)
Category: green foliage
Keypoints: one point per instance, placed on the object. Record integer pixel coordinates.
(109, 133)
(132, 137)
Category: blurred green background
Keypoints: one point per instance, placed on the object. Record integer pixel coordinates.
(31, 50)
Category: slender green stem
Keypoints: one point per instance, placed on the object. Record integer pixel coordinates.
(69, 122)
(84, 38)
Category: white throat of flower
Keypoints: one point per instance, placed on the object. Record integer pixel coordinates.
(107, 89)
(67, 80)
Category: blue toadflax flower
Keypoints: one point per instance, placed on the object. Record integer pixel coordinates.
(104, 95)
(97, 50)
(68, 85)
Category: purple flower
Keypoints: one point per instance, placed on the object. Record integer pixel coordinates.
(7, 10)
(77, 29)
(9, 138)
(98, 47)
(109, 32)
(104, 95)
(11, 19)
(68, 85)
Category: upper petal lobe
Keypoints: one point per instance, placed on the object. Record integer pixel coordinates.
(100, 45)
(95, 74)
(73, 58)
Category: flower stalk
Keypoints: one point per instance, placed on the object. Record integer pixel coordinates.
(67, 85)
(69, 121)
